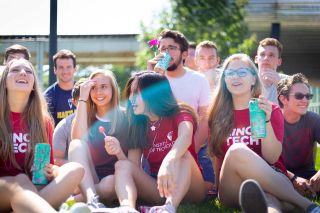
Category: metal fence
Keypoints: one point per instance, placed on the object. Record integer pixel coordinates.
(315, 103)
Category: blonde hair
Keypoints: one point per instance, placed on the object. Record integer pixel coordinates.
(35, 115)
(221, 115)
(116, 115)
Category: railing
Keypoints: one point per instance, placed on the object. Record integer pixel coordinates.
(315, 103)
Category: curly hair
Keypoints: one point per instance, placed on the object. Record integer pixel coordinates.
(284, 86)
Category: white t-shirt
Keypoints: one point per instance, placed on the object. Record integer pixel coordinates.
(192, 88)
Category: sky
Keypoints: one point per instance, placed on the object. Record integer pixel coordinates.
(78, 17)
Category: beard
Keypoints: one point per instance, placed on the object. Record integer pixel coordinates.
(175, 65)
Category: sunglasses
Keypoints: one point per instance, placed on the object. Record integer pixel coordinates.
(300, 96)
(241, 72)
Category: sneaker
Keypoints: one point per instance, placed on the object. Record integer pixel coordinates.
(166, 208)
(252, 198)
(313, 208)
(95, 204)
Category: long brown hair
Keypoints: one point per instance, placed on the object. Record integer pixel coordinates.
(35, 115)
(116, 114)
(221, 110)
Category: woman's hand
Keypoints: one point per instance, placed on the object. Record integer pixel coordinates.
(51, 171)
(85, 89)
(112, 146)
(302, 186)
(166, 180)
(265, 105)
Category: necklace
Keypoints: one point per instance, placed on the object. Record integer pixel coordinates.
(155, 125)
(152, 147)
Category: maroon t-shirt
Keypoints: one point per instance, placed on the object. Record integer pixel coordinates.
(20, 143)
(161, 140)
(299, 141)
(242, 133)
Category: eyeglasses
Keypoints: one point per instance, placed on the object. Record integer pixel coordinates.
(241, 72)
(169, 49)
(300, 96)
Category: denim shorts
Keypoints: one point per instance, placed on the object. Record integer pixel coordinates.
(206, 165)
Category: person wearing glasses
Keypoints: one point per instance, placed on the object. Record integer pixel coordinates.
(301, 132)
(268, 59)
(188, 86)
(249, 171)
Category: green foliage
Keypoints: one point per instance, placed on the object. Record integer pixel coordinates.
(122, 74)
(221, 21)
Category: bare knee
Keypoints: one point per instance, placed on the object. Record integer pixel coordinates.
(237, 152)
(75, 145)
(75, 170)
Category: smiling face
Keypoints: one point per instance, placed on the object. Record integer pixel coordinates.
(239, 77)
(292, 104)
(101, 92)
(20, 77)
(64, 70)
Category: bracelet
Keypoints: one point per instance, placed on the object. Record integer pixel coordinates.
(82, 100)
(268, 121)
(293, 178)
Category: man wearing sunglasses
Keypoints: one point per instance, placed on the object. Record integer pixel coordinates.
(268, 59)
(301, 132)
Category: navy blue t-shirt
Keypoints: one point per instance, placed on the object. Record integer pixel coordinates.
(59, 102)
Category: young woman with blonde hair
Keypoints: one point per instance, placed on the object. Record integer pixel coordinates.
(24, 122)
(98, 105)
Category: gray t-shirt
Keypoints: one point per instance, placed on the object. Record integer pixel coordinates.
(271, 92)
(62, 135)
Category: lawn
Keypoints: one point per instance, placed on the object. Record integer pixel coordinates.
(213, 205)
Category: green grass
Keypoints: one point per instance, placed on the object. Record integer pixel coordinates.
(213, 205)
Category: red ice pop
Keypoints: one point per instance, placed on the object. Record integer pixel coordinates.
(102, 131)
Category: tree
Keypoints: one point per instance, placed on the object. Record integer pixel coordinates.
(221, 21)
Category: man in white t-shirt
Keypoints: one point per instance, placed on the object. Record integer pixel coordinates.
(187, 85)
